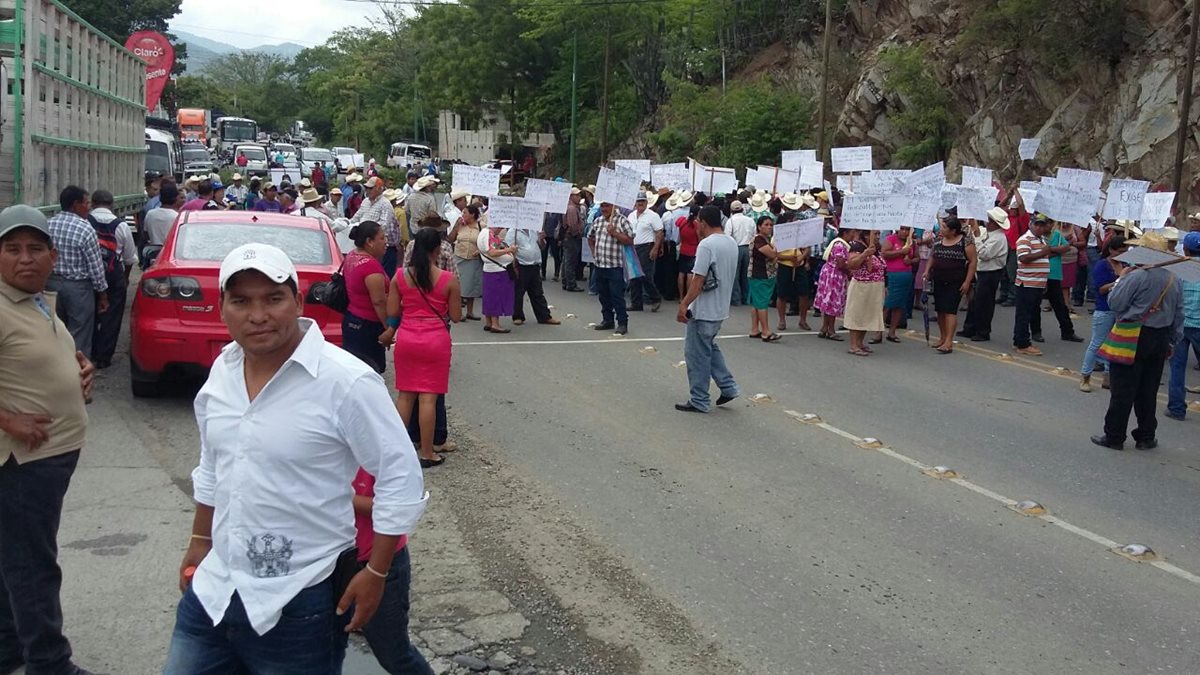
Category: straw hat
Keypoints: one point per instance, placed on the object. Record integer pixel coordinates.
(425, 181)
(335, 191)
(1122, 225)
(999, 216)
(311, 196)
(1151, 240)
(459, 193)
(810, 201)
(673, 202)
(685, 198)
(590, 189)
(758, 201)
(791, 201)
(389, 195)
(353, 178)
(236, 176)
(1170, 233)
(651, 198)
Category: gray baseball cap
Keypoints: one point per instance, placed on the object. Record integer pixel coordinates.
(22, 215)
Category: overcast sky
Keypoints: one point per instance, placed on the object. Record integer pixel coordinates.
(262, 22)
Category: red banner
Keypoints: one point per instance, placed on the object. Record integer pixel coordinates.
(156, 50)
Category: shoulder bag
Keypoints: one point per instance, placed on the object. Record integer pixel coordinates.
(444, 317)
(333, 294)
(1121, 344)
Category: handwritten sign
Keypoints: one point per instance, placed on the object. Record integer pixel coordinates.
(1066, 205)
(851, 160)
(673, 176)
(928, 180)
(585, 254)
(1028, 148)
(794, 160)
(973, 176)
(1156, 208)
(618, 186)
(1124, 198)
(774, 180)
(811, 175)
(1080, 180)
(875, 212)
(640, 166)
(974, 201)
(477, 180)
(515, 213)
(713, 180)
(799, 234)
(922, 211)
(554, 194)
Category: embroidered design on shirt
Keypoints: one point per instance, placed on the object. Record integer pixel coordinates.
(270, 561)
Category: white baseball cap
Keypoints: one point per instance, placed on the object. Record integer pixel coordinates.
(264, 258)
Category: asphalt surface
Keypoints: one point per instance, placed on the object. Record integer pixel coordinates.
(646, 540)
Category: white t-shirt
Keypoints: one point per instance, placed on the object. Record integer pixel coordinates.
(719, 253)
(741, 228)
(158, 224)
(645, 226)
(488, 266)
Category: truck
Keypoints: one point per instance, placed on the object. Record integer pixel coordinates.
(193, 125)
(233, 131)
(76, 113)
(164, 155)
(300, 133)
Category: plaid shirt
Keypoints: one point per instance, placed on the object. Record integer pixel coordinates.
(380, 211)
(607, 251)
(445, 259)
(78, 250)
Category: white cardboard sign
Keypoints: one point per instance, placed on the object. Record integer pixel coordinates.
(799, 234)
(640, 166)
(618, 186)
(851, 160)
(973, 176)
(1028, 148)
(1067, 205)
(974, 201)
(812, 175)
(712, 180)
(875, 212)
(1156, 208)
(515, 213)
(1124, 198)
(553, 194)
(477, 180)
(928, 180)
(794, 160)
(1080, 179)
(673, 176)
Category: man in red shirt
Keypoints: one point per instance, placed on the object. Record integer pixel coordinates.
(1018, 218)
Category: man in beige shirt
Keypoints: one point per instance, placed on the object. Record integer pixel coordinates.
(43, 385)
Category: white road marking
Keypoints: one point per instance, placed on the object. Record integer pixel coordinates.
(997, 497)
(605, 340)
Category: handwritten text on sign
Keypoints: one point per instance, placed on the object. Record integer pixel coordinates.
(850, 160)
(1067, 205)
(793, 160)
(477, 180)
(875, 212)
(1156, 208)
(1124, 199)
(799, 234)
(673, 176)
(974, 176)
(641, 166)
(515, 213)
(553, 194)
(618, 186)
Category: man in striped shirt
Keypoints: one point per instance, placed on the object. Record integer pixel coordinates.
(1033, 270)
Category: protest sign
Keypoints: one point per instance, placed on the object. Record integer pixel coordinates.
(1067, 205)
(1028, 147)
(923, 210)
(477, 180)
(640, 166)
(1030, 199)
(774, 180)
(1156, 208)
(618, 186)
(713, 180)
(974, 176)
(278, 175)
(851, 160)
(585, 253)
(928, 180)
(973, 201)
(1187, 270)
(799, 234)
(1123, 201)
(752, 179)
(1080, 180)
(515, 213)
(875, 212)
(673, 176)
(948, 197)
(811, 175)
(359, 160)
(794, 160)
(553, 194)
(1029, 185)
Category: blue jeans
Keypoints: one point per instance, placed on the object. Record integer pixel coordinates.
(593, 281)
(308, 640)
(705, 361)
(360, 337)
(1102, 322)
(387, 631)
(741, 286)
(610, 282)
(1176, 394)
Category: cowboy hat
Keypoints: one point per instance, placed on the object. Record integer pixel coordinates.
(575, 191)
(1152, 240)
(1170, 233)
(236, 176)
(684, 198)
(353, 178)
(1123, 225)
(389, 195)
(335, 191)
(673, 202)
(305, 183)
(649, 197)
(810, 201)
(791, 201)
(758, 201)
(664, 191)
(425, 181)
(459, 193)
(590, 189)
(310, 196)
(999, 216)
(1194, 216)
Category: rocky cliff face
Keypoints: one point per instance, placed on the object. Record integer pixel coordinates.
(1121, 118)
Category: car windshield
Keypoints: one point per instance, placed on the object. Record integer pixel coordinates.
(418, 151)
(285, 149)
(239, 131)
(316, 155)
(195, 155)
(214, 241)
(253, 153)
(343, 151)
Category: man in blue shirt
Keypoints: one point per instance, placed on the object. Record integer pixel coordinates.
(1176, 405)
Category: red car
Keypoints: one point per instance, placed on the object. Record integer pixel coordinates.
(175, 322)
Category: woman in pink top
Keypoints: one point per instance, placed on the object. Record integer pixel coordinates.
(366, 286)
(864, 296)
(429, 299)
(899, 252)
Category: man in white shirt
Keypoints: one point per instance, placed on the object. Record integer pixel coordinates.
(741, 228)
(236, 194)
(159, 221)
(285, 421)
(648, 243)
(108, 322)
(991, 248)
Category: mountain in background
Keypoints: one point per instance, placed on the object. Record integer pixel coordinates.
(203, 51)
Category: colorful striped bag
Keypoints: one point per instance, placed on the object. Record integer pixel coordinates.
(1121, 344)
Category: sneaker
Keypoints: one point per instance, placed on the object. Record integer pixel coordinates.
(1148, 444)
(621, 329)
(1085, 384)
(607, 325)
(1193, 390)
(518, 322)
(656, 306)
(1028, 351)
(448, 446)
(1072, 338)
(1180, 417)
(1074, 316)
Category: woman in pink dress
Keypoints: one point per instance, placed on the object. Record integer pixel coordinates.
(831, 285)
(429, 300)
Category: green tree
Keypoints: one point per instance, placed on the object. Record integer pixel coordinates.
(925, 117)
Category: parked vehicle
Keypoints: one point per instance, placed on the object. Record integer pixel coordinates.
(405, 155)
(175, 324)
(193, 124)
(91, 131)
(164, 154)
(309, 156)
(344, 157)
(232, 131)
(256, 159)
(197, 161)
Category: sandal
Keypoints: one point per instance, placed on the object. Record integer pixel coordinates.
(426, 463)
(859, 352)
(893, 338)
(773, 337)
(945, 351)
(754, 336)
(868, 349)
(875, 341)
(781, 327)
(472, 317)
(835, 337)
(804, 327)
(501, 330)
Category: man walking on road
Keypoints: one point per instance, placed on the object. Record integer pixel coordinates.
(269, 562)
(742, 229)
(1154, 298)
(704, 307)
(1033, 270)
(647, 243)
(78, 276)
(120, 255)
(529, 245)
(1176, 391)
(610, 232)
(992, 253)
(44, 383)
(571, 235)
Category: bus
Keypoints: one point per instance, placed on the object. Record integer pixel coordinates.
(234, 130)
(193, 124)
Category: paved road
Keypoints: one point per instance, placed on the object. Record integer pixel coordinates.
(744, 540)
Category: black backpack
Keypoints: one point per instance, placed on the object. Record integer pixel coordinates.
(106, 235)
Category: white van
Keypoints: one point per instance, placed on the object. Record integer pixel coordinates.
(405, 155)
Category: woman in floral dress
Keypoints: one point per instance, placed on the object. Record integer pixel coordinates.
(831, 286)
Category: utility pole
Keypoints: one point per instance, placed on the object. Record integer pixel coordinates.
(1186, 109)
(825, 81)
(604, 105)
(574, 104)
